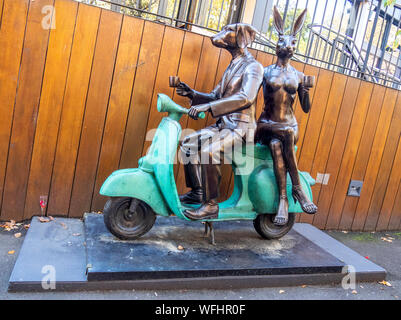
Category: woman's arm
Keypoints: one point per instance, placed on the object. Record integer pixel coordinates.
(303, 94)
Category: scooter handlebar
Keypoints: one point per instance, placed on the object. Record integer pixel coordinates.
(202, 115)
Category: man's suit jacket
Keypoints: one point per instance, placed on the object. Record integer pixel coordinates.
(234, 98)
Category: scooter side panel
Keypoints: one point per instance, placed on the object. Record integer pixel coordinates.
(135, 183)
(263, 190)
(164, 152)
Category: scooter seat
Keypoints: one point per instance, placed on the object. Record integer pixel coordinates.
(258, 151)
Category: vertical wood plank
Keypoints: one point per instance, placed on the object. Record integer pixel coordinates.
(120, 96)
(362, 155)
(327, 130)
(95, 112)
(386, 164)
(12, 32)
(395, 219)
(168, 65)
(73, 109)
(266, 60)
(51, 100)
(300, 115)
(391, 192)
(318, 109)
(333, 151)
(25, 112)
(299, 66)
(375, 157)
(348, 156)
(1, 11)
(142, 94)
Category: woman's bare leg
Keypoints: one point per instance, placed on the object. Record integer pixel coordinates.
(297, 192)
(280, 171)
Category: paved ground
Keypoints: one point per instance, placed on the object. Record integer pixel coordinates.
(371, 245)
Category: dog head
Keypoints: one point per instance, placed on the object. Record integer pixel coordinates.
(286, 44)
(234, 36)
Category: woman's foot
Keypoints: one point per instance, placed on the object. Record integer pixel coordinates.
(306, 205)
(281, 217)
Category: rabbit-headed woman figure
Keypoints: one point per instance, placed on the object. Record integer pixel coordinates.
(277, 126)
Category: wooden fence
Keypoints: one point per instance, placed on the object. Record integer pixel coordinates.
(77, 101)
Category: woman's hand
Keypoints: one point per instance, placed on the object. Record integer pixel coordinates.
(195, 110)
(303, 90)
(184, 90)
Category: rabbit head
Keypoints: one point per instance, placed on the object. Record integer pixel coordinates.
(286, 44)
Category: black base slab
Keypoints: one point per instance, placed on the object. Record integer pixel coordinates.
(249, 261)
(239, 251)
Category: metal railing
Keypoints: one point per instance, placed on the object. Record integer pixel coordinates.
(354, 37)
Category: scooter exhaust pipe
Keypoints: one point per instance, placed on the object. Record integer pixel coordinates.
(174, 110)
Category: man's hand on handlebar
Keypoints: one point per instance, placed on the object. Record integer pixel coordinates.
(184, 90)
(195, 110)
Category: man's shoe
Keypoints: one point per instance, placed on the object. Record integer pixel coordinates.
(195, 196)
(209, 210)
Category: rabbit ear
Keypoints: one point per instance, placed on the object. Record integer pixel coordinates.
(299, 23)
(278, 21)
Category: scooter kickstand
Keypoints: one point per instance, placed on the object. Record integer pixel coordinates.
(206, 233)
(209, 225)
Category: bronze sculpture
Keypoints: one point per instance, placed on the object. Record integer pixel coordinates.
(232, 102)
(137, 195)
(277, 126)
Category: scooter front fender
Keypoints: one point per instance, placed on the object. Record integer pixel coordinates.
(135, 183)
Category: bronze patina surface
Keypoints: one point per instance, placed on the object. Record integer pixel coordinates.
(277, 126)
(232, 103)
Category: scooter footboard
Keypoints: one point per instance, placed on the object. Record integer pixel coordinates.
(135, 183)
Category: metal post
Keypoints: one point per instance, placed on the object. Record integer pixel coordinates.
(203, 11)
(261, 15)
(372, 35)
(285, 10)
(235, 10)
(191, 13)
(162, 8)
(383, 43)
(311, 36)
(221, 13)
(182, 10)
(115, 7)
(352, 22)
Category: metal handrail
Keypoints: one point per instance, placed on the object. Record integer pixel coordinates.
(347, 42)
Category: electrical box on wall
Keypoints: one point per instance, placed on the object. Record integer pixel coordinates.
(355, 188)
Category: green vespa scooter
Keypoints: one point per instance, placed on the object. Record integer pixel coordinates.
(138, 195)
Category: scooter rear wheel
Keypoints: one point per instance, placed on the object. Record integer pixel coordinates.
(123, 223)
(267, 229)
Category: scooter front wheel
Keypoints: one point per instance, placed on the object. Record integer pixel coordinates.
(128, 218)
(267, 229)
